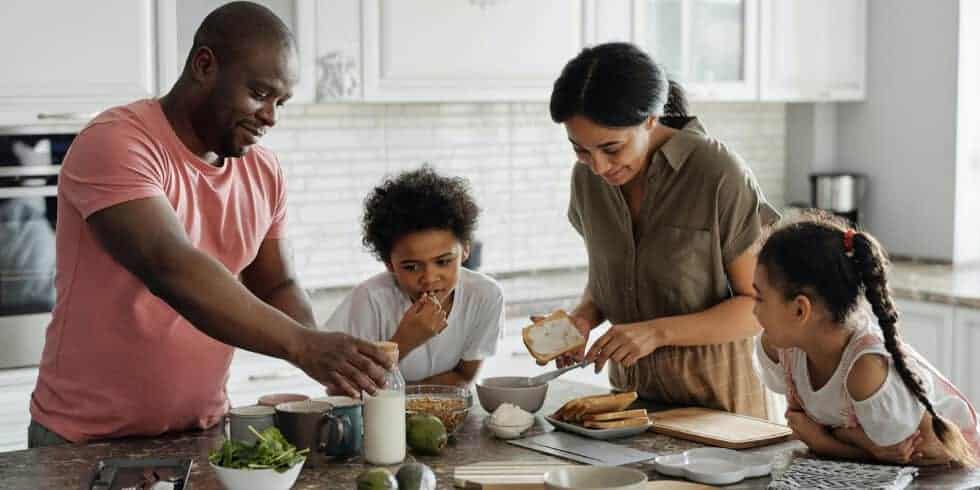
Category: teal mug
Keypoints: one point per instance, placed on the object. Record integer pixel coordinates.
(351, 412)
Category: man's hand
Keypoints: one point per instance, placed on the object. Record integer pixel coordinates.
(626, 344)
(344, 364)
(424, 320)
(576, 356)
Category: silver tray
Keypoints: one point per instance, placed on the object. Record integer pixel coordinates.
(603, 434)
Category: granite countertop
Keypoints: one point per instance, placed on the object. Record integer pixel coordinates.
(67, 466)
(957, 285)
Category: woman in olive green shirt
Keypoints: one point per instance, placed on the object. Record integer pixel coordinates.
(669, 216)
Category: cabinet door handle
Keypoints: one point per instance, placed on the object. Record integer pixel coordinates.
(66, 116)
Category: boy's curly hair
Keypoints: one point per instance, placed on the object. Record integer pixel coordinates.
(414, 201)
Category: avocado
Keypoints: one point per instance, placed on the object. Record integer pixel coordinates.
(415, 476)
(377, 479)
(425, 434)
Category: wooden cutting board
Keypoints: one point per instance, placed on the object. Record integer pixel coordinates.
(718, 428)
(509, 475)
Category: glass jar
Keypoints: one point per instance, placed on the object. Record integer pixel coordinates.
(384, 415)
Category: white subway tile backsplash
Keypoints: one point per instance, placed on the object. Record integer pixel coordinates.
(517, 160)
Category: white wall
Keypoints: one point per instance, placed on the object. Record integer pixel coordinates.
(904, 135)
(967, 244)
(811, 135)
(518, 161)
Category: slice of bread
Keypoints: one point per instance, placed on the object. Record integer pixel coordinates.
(617, 424)
(626, 414)
(552, 336)
(576, 410)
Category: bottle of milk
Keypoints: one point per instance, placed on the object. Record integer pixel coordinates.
(384, 416)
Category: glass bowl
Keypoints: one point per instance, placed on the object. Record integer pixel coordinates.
(450, 404)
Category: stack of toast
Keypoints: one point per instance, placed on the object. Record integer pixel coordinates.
(603, 412)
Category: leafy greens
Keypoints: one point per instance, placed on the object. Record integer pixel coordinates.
(270, 451)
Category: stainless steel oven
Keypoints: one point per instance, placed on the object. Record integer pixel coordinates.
(29, 166)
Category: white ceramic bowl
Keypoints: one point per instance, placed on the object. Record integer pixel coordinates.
(595, 478)
(235, 479)
(510, 389)
(508, 431)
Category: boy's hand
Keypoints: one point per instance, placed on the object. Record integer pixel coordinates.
(424, 320)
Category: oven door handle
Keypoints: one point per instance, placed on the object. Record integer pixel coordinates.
(66, 116)
(36, 191)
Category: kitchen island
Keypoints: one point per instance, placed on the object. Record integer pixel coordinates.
(67, 467)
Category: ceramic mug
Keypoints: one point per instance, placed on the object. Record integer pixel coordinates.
(318, 425)
(352, 411)
(256, 416)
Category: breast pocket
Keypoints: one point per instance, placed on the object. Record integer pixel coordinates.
(679, 263)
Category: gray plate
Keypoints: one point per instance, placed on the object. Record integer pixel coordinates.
(599, 433)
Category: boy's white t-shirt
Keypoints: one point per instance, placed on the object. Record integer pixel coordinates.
(374, 308)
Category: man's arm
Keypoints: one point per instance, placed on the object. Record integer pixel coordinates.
(462, 375)
(145, 237)
(270, 277)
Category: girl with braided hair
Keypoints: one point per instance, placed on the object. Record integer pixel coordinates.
(855, 390)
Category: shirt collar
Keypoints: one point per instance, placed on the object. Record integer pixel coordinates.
(680, 146)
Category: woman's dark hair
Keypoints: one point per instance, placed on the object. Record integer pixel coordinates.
(809, 257)
(615, 85)
(414, 201)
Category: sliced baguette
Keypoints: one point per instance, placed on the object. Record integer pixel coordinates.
(617, 424)
(556, 328)
(577, 409)
(626, 414)
(573, 405)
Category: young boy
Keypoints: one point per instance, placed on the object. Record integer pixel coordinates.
(446, 319)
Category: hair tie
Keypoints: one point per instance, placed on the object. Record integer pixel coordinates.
(849, 240)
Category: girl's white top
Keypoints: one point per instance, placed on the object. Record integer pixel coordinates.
(374, 308)
(891, 414)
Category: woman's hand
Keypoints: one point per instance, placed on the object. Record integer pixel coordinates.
(584, 327)
(424, 320)
(626, 344)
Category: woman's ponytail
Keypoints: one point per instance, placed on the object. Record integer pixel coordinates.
(676, 105)
(870, 263)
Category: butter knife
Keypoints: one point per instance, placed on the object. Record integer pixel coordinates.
(550, 375)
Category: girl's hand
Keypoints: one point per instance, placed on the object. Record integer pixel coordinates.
(806, 429)
(424, 320)
(901, 453)
(576, 356)
(626, 344)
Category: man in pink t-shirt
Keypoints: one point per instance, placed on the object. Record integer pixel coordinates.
(171, 251)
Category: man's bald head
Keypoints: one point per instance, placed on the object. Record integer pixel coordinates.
(233, 29)
(241, 70)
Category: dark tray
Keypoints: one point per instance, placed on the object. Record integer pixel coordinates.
(146, 473)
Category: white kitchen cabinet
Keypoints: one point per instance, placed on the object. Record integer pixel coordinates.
(813, 50)
(709, 46)
(64, 61)
(179, 19)
(433, 50)
(967, 355)
(928, 327)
